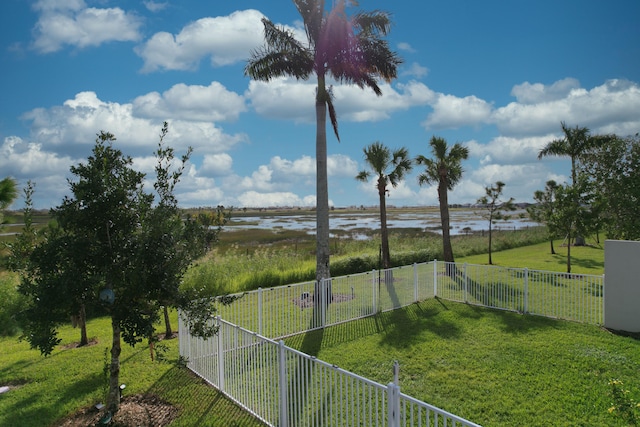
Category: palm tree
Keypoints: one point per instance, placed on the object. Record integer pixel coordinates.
(351, 50)
(576, 142)
(8, 193)
(380, 159)
(445, 169)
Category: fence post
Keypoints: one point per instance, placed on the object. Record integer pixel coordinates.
(326, 283)
(526, 290)
(393, 405)
(415, 282)
(282, 382)
(466, 283)
(220, 347)
(435, 278)
(260, 311)
(375, 303)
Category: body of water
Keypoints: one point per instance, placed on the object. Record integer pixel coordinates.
(461, 222)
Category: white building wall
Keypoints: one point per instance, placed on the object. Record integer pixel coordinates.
(622, 285)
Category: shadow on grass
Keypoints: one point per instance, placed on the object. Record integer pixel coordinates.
(199, 403)
(579, 262)
(405, 327)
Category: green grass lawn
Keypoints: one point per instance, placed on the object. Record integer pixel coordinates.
(46, 389)
(584, 259)
(492, 367)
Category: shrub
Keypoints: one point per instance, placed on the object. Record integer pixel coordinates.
(11, 304)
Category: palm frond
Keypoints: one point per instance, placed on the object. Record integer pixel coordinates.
(282, 55)
(373, 22)
(333, 116)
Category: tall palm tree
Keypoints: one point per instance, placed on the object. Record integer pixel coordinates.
(445, 169)
(390, 168)
(576, 142)
(349, 49)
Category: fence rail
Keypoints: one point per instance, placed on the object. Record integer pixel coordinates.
(284, 387)
(287, 388)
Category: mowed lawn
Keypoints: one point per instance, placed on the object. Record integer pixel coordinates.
(494, 368)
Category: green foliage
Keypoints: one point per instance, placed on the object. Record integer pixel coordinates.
(494, 208)
(116, 251)
(11, 304)
(613, 169)
(233, 268)
(8, 193)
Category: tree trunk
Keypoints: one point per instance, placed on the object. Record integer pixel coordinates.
(167, 324)
(444, 219)
(386, 255)
(113, 400)
(553, 251)
(490, 260)
(82, 322)
(322, 191)
(569, 254)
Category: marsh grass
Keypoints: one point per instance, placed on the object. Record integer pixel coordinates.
(251, 259)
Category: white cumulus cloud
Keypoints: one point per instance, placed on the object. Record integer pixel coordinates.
(224, 39)
(72, 23)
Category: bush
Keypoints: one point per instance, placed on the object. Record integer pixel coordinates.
(11, 304)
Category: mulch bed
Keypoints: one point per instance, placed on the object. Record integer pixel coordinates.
(142, 410)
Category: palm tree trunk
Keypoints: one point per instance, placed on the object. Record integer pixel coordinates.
(322, 294)
(322, 191)
(444, 219)
(113, 400)
(386, 256)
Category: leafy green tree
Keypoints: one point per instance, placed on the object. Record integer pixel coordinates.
(349, 49)
(444, 169)
(543, 211)
(575, 144)
(25, 241)
(389, 168)
(614, 170)
(169, 242)
(495, 207)
(8, 193)
(108, 241)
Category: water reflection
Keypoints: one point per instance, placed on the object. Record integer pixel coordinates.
(461, 222)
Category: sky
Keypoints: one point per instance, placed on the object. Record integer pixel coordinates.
(496, 76)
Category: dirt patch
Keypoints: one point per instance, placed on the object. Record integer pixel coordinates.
(142, 410)
(306, 299)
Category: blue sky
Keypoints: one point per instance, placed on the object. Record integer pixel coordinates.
(497, 76)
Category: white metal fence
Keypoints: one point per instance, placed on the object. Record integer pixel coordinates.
(284, 387)
(287, 310)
